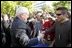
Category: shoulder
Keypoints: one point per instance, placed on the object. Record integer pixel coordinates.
(17, 23)
(68, 23)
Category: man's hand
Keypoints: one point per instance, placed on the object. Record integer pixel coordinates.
(51, 45)
(69, 45)
(24, 39)
(41, 35)
(3, 40)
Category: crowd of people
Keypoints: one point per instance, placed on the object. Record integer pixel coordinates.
(38, 31)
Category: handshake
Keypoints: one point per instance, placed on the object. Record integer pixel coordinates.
(41, 35)
(24, 39)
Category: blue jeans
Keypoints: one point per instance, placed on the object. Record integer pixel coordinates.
(33, 42)
(41, 45)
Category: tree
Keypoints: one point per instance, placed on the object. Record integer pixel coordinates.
(47, 8)
(66, 4)
(10, 6)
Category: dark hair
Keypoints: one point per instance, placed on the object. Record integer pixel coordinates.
(2, 16)
(62, 8)
(8, 15)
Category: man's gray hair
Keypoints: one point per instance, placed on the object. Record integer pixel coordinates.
(22, 10)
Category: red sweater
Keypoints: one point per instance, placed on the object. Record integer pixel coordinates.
(46, 25)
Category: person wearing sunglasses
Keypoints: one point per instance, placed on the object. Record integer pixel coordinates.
(62, 28)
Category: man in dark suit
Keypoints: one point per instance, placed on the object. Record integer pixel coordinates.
(19, 29)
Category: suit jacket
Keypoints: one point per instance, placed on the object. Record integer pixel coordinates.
(19, 32)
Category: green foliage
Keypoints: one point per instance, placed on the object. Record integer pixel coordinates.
(66, 4)
(10, 6)
(47, 8)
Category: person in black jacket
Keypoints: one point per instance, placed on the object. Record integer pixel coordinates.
(2, 33)
(5, 25)
(62, 28)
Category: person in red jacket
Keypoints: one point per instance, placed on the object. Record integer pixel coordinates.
(48, 23)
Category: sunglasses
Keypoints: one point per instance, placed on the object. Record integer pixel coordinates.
(58, 14)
